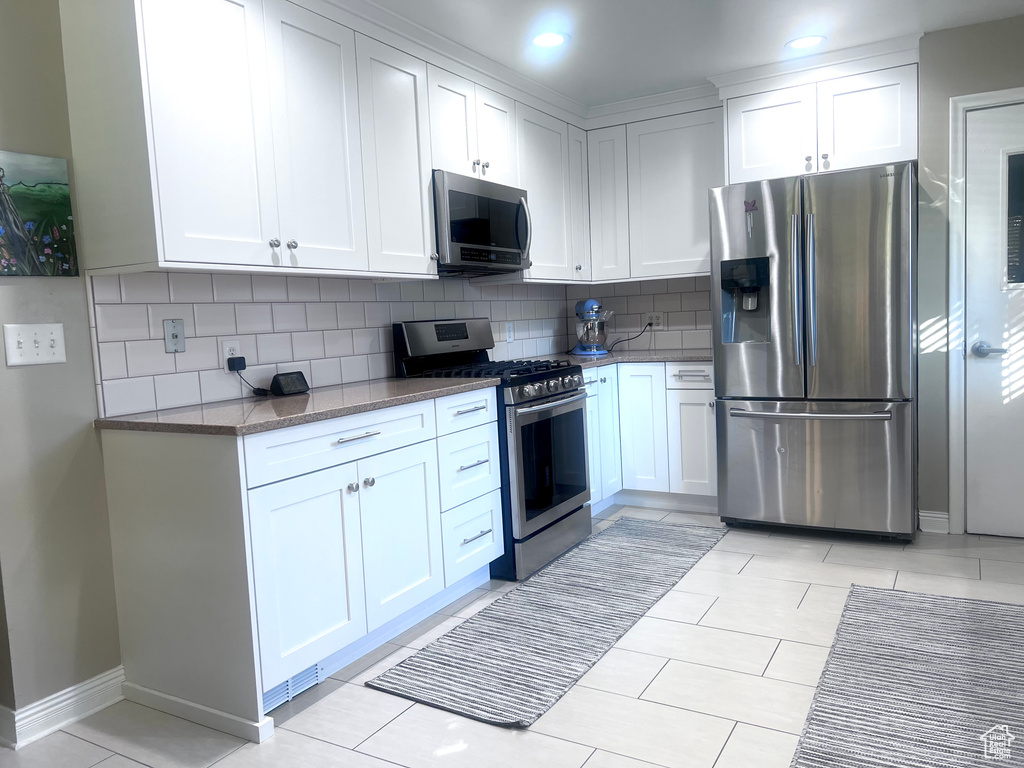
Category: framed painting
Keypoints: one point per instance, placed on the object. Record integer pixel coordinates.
(37, 234)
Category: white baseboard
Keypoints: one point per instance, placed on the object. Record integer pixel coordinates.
(8, 733)
(257, 732)
(933, 522)
(681, 502)
(37, 720)
(597, 507)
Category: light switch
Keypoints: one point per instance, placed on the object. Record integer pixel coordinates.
(34, 344)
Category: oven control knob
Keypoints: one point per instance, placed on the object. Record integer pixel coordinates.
(526, 391)
(577, 380)
(553, 385)
(566, 382)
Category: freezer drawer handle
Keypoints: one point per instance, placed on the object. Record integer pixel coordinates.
(474, 464)
(343, 440)
(876, 416)
(464, 411)
(474, 538)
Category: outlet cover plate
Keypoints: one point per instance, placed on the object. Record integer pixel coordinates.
(656, 319)
(38, 344)
(229, 348)
(510, 332)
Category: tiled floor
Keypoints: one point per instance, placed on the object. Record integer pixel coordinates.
(718, 674)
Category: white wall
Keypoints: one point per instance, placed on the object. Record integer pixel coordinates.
(55, 559)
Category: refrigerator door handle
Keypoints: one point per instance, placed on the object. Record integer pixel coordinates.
(875, 416)
(798, 336)
(812, 290)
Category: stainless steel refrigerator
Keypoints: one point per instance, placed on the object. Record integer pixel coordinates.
(814, 336)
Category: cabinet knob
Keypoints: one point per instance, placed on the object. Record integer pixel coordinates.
(579, 267)
(434, 257)
(808, 158)
(824, 157)
(484, 167)
(711, 404)
(275, 243)
(603, 380)
(475, 164)
(293, 244)
(369, 482)
(353, 487)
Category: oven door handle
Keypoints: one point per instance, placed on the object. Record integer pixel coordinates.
(551, 405)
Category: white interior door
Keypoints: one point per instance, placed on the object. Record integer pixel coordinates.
(995, 316)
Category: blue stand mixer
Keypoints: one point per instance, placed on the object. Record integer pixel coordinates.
(590, 322)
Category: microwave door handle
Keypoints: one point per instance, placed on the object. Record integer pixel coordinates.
(529, 229)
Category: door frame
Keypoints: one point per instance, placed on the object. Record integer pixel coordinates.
(956, 339)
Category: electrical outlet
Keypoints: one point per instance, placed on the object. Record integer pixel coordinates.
(656, 319)
(229, 348)
(510, 332)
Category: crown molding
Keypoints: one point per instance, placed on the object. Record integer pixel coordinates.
(656, 105)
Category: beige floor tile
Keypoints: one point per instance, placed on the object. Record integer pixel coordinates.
(900, 560)
(953, 587)
(694, 518)
(499, 585)
(745, 586)
(58, 750)
(453, 608)
(475, 607)
(424, 627)
(602, 759)
(797, 663)
(424, 737)
(641, 513)
(732, 695)
(120, 761)
(753, 747)
(348, 716)
(723, 561)
(825, 599)
(304, 701)
(681, 606)
(699, 644)
(829, 574)
(383, 665)
(1001, 570)
(154, 738)
(623, 672)
(365, 662)
(758, 618)
(600, 525)
(293, 750)
(643, 730)
(435, 632)
(775, 547)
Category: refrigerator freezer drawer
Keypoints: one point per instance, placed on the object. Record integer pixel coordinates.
(846, 465)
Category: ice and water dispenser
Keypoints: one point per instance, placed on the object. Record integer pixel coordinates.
(746, 300)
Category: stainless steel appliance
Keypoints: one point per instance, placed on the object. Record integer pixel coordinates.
(482, 228)
(814, 331)
(542, 427)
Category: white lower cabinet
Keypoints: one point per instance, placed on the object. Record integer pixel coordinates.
(691, 442)
(594, 439)
(611, 441)
(472, 536)
(644, 434)
(307, 570)
(400, 514)
(469, 464)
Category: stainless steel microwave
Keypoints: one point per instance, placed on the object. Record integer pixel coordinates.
(482, 228)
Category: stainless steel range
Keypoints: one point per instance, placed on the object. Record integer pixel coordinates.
(543, 431)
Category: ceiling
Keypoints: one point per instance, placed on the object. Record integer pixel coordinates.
(622, 49)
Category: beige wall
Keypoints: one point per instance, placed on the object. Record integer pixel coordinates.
(54, 539)
(954, 62)
(6, 678)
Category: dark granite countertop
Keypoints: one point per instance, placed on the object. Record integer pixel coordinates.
(640, 356)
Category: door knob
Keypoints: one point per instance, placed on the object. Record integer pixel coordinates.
(293, 244)
(369, 482)
(984, 349)
(275, 243)
(353, 487)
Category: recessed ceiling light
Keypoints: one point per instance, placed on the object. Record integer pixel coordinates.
(806, 42)
(550, 39)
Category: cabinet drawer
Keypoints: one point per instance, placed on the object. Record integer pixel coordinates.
(468, 463)
(465, 410)
(689, 375)
(293, 451)
(472, 536)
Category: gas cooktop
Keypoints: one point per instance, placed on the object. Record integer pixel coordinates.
(505, 370)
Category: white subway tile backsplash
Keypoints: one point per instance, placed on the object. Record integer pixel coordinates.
(146, 358)
(187, 288)
(667, 302)
(338, 343)
(218, 385)
(653, 286)
(355, 368)
(702, 283)
(362, 290)
(269, 288)
(365, 341)
(200, 353)
(254, 318)
(289, 317)
(694, 301)
(422, 310)
(133, 395)
(513, 310)
(444, 310)
(452, 290)
(113, 364)
(412, 291)
(387, 343)
(333, 289)
(144, 288)
(106, 289)
(259, 376)
(322, 317)
(481, 309)
(703, 320)
(298, 365)
(433, 290)
(680, 285)
(121, 322)
(381, 366)
(376, 314)
(402, 311)
(668, 339)
(274, 348)
(177, 389)
(388, 292)
(230, 288)
(497, 311)
(215, 319)
(308, 345)
(463, 309)
(159, 312)
(684, 321)
(696, 339)
(326, 372)
(350, 314)
(303, 289)
(637, 304)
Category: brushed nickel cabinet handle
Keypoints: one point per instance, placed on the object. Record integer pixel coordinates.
(343, 440)
(474, 464)
(474, 538)
(474, 409)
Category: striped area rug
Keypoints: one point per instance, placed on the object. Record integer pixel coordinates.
(919, 681)
(513, 660)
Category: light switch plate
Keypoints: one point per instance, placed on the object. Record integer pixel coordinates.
(510, 332)
(37, 344)
(174, 335)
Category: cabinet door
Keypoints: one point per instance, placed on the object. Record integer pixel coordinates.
(400, 513)
(316, 139)
(496, 137)
(544, 174)
(453, 129)
(672, 162)
(644, 434)
(611, 447)
(868, 119)
(594, 441)
(395, 134)
(579, 198)
(307, 570)
(691, 442)
(609, 203)
(211, 138)
(773, 134)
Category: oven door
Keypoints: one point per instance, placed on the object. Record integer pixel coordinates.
(548, 469)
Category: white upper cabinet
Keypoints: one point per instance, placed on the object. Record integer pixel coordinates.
(579, 203)
(496, 134)
(395, 135)
(609, 204)
(544, 174)
(773, 134)
(846, 122)
(316, 139)
(868, 119)
(672, 162)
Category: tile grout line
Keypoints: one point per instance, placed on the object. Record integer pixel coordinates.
(725, 743)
